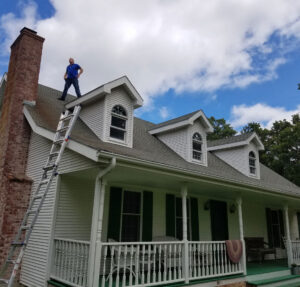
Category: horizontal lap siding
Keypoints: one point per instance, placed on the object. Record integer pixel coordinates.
(34, 266)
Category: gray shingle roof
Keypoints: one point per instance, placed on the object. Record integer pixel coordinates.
(148, 148)
(229, 140)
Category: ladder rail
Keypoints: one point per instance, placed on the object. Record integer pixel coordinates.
(65, 125)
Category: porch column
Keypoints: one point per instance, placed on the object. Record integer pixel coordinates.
(184, 234)
(241, 229)
(96, 233)
(287, 236)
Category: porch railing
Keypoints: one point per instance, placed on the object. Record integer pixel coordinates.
(295, 244)
(70, 261)
(209, 259)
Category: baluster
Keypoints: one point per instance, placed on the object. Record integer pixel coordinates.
(104, 265)
(202, 260)
(65, 259)
(59, 257)
(131, 264)
(118, 247)
(143, 264)
(207, 259)
(148, 264)
(229, 265)
(218, 258)
(154, 269)
(159, 262)
(137, 264)
(81, 263)
(170, 261)
(125, 265)
(86, 263)
(194, 247)
(197, 259)
(213, 262)
(180, 260)
(72, 255)
(223, 250)
(165, 262)
(190, 258)
(111, 266)
(173, 246)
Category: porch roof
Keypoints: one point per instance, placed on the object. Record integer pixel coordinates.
(148, 148)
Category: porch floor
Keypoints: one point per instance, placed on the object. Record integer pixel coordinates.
(267, 266)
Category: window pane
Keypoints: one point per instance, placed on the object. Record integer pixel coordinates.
(119, 110)
(252, 170)
(178, 207)
(251, 162)
(132, 202)
(276, 236)
(197, 146)
(197, 155)
(130, 228)
(197, 136)
(117, 134)
(118, 122)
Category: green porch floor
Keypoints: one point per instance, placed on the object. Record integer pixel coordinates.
(267, 266)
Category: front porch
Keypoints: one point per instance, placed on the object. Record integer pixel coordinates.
(90, 246)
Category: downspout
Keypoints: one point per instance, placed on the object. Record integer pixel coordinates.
(97, 220)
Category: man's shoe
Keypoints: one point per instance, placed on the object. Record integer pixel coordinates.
(298, 86)
(60, 99)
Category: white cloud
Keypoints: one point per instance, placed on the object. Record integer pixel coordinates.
(184, 45)
(164, 112)
(262, 113)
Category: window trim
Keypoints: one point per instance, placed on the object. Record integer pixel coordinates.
(124, 130)
(252, 157)
(197, 151)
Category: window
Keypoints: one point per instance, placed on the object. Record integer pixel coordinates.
(252, 166)
(197, 146)
(275, 228)
(118, 123)
(131, 216)
(179, 218)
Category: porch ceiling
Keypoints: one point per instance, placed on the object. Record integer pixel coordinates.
(131, 176)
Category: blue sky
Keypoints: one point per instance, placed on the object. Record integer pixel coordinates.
(233, 59)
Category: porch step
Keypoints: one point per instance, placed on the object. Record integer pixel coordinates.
(283, 281)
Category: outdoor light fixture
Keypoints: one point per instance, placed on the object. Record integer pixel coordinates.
(207, 205)
(232, 208)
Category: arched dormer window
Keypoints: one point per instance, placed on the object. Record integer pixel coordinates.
(252, 163)
(197, 147)
(118, 123)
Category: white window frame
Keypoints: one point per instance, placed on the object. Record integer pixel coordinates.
(252, 167)
(118, 128)
(197, 151)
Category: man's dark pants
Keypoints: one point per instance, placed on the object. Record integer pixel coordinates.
(69, 82)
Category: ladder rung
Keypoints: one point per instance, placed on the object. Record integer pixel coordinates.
(65, 118)
(11, 261)
(18, 243)
(32, 211)
(58, 141)
(62, 129)
(4, 280)
(25, 227)
(37, 197)
(45, 181)
(49, 167)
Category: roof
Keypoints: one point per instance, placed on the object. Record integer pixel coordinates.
(182, 121)
(147, 147)
(238, 140)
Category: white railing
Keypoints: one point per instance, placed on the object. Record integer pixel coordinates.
(295, 244)
(70, 261)
(141, 263)
(209, 259)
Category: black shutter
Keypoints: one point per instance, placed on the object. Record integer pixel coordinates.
(170, 215)
(269, 227)
(281, 226)
(114, 217)
(194, 219)
(147, 215)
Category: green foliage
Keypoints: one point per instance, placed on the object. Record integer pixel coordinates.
(221, 129)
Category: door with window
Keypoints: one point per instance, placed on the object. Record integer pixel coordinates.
(219, 220)
(275, 227)
(130, 215)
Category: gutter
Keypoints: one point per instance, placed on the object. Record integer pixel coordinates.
(187, 174)
(97, 220)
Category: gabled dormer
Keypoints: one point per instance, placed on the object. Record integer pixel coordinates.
(108, 111)
(186, 136)
(241, 152)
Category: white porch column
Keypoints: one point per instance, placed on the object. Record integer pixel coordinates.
(96, 233)
(241, 229)
(287, 236)
(184, 233)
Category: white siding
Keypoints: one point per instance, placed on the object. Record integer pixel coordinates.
(119, 97)
(178, 141)
(75, 208)
(93, 116)
(34, 267)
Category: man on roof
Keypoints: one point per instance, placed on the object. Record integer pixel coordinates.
(71, 78)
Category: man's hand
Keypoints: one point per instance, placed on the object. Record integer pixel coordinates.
(65, 76)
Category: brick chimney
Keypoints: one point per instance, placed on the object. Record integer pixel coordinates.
(22, 84)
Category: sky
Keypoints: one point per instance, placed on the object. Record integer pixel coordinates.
(234, 59)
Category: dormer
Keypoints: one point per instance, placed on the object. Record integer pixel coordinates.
(241, 152)
(186, 136)
(108, 111)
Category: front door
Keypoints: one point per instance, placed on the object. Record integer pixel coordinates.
(219, 220)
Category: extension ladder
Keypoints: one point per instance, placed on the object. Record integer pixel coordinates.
(18, 246)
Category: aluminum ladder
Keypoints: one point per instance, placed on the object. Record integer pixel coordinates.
(18, 246)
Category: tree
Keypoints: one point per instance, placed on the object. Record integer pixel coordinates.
(221, 129)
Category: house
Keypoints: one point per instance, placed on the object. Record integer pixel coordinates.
(137, 203)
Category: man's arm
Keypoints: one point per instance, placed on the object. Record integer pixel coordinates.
(80, 72)
(65, 76)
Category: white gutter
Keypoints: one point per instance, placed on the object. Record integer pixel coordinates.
(97, 222)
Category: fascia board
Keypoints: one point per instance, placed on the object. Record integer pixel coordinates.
(170, 127)
(260, 144)
(72, 145)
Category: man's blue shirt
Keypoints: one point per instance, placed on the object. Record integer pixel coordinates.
(72, 71)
